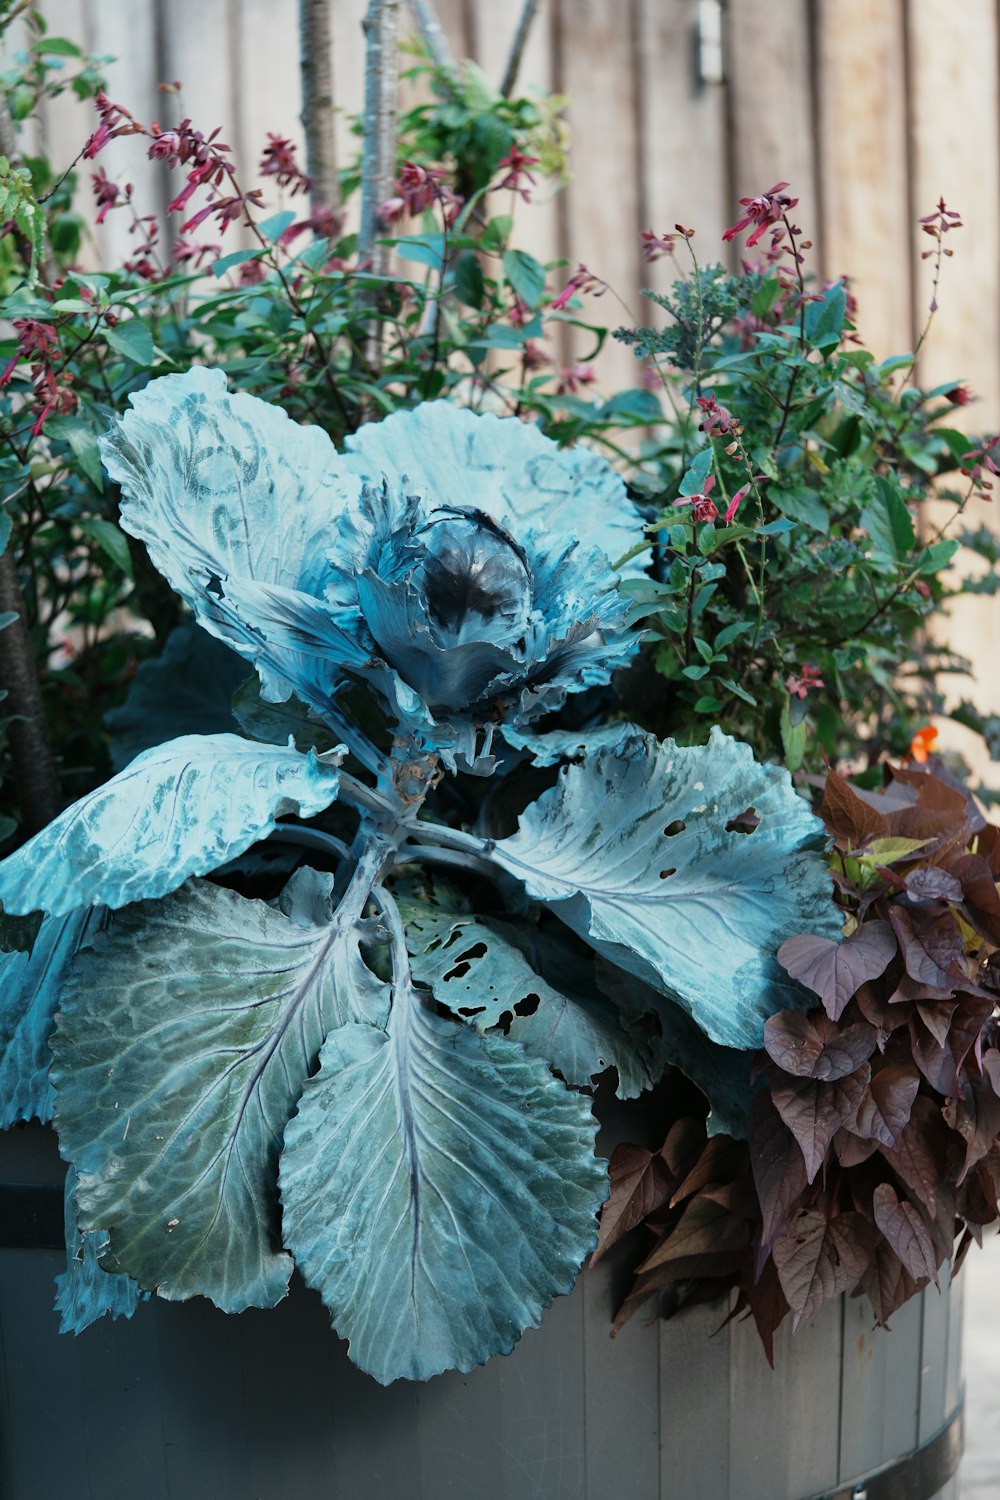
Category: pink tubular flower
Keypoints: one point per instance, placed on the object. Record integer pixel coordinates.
(572, 377)
(517, 165)
(703, 507)
(656, 245)
(106, 192)
(582, 280)
(959, 395)
(770, 208)
(717, 420)
(807, 678)
(278, 161)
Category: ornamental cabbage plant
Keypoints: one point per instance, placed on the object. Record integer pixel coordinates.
(377, 1064)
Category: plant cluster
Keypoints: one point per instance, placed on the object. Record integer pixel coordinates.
(407, 712)
(872, 1149)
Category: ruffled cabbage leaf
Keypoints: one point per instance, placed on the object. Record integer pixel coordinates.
(634, 851)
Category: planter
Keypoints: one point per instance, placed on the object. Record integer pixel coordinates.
(183, 1400)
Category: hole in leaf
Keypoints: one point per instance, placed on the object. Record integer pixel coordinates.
(527, 1006)
(471, 1010)
(503, 1023)
(744, 822)
(665, 873)
(463, 963)
(677, 826)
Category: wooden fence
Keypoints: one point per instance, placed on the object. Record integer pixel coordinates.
(871, 109)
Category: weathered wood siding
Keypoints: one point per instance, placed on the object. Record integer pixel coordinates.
(872, 109)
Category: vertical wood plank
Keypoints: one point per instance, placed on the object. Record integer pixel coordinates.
(805, 1380)
(771, 104)
(954, 109)
(622, 1389)
(879, 1387)
(544, 1452)
(601, 205)
(127, 33)
(691, 1403)
(934, 1358)
(863, 160)
(264, 47)
(682, 136)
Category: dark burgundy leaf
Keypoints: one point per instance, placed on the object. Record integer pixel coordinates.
(909, 989)
(920, 1156)
(967, 1024)
(684, 1144)
(991, 1068)
(850, 1149)
(981, 898)
(847, 816)
(905, 1227)
(935, 1062)
(768, 1304)
(814, 1111)
(705, 1227)
(976, 1200)
(936, 1016)
(779, 1171)
(883, 1112)
(931, 946)
(886, 1283)
(813, 1046)
(834, 971)
(876, 1007)
(817, 1260)
(722, 1160)
(931, 883)
(640, 1182)
(976, 1117)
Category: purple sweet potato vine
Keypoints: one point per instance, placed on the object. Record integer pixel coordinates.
(873, 1150)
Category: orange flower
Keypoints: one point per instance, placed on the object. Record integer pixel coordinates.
(922, 743)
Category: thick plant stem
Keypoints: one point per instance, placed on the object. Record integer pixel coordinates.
(432, 34)
(31, 751)
(378, 164)
(510, 72)
(316, 71)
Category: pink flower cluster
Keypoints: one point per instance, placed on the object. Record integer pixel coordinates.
(38, 346)
(763, 212)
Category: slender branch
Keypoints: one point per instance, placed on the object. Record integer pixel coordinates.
(12, 15)
(455, 858)
(510, 72)
(366, 797)
(309, 838)
(432, 34)
(316, 72)
(31, 749)
(378, 162)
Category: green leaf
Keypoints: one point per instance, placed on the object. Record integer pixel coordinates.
(236, 258)
(636, 405)
(438, 1189)
(889, 524)
(765, 297)
(937, 556)
(110, 539)
(794, 735)
(801, 504)
(183, 1043)
(425, 249)
(131, 339)
(699, 911)
(57, 46)
(82, 441)
(497, 232)
(694, 479)
(525, 275)
(824, 320)
(469, 284)
(6, 527)
(274, 227)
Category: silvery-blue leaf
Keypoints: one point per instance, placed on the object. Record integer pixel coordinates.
(180, 809)
(85, 1291)
(450, 455)
(722, 1073)
(554, 745)
(535, 985)
(275, 723)
(227, 487)
(438, 1189)
(31, 986)
(182, 1045)
(633, 851)
(187, 689)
